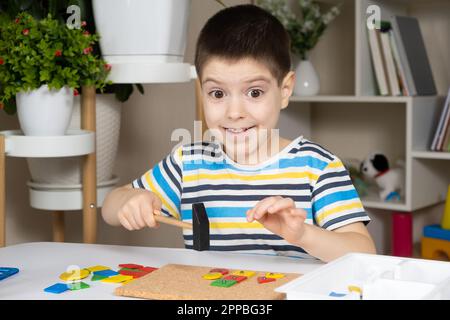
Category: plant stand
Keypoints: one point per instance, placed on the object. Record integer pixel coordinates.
(89, 168)
(58, 226)
(75, 143)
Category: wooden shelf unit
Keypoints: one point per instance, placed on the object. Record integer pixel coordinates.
(350, 118)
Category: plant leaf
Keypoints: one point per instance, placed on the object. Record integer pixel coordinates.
(140, 88)
(123, 91)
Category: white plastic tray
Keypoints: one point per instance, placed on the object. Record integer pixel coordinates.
(379, 278)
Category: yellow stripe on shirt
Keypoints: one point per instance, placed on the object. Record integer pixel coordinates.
(180, 154)
(220, 176)
(235, 225)
(356, 205)
(335, 164)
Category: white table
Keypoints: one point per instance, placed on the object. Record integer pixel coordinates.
(41, 263)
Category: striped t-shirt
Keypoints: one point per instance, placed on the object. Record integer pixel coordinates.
(313, 177)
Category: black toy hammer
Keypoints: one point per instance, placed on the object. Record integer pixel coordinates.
(199, 226)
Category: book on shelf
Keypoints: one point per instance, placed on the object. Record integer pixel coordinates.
(390, 69)
(377, 61)
(446, 144)
(441, 144)
(398, 65)
(441, 136)
(413, 56)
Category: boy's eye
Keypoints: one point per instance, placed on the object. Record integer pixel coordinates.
(218, 94)
(255, 93)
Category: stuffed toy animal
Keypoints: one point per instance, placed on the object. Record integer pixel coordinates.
(391, 181)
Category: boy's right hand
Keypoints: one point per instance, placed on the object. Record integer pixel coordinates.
(137, 211)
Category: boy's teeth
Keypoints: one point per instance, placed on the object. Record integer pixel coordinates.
(237, 130)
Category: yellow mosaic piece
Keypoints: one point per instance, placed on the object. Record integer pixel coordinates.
(74, 275)
(212, 276)
(127, 281)
(355, 289)
(244, 273)
(97, 268)
(117, 279)
(273, 275)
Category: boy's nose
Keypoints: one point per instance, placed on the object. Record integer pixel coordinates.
(235, 110)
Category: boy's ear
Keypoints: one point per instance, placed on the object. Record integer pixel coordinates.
(286, 88)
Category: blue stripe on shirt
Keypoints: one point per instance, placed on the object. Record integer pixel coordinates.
(334, 197)
(192, 165)
(228, 212)
(218, 212)
(161, 181)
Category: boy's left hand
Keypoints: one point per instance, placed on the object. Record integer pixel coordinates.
(280, 216)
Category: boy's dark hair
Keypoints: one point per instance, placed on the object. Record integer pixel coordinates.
(245, 31)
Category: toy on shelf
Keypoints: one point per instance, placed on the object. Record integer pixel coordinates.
(445, 224)
(390, 181)
(435, 243)
(436, 238)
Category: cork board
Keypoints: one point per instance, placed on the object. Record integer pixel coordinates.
(183, 282)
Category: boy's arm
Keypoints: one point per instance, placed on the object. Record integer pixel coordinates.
(280, 216)
(113, 201)
(328, 245)
(159, 189)
(130, 207)
(338, 216)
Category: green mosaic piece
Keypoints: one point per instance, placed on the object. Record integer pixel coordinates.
(128, 269)
(78, 286)
(223, 283)
(97, 277)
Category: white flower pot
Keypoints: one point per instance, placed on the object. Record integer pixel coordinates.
(44, 112)
(67, 171)
(142, 31)
(307, 80)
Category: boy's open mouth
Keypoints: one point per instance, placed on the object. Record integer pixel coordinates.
(237, 130)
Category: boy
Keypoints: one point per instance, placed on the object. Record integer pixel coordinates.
(297, 200)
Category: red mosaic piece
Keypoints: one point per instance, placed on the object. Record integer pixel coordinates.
(147, 269)
(235, 278)
(130, 266)
(134, 274)
(265, 280)
(220, 270)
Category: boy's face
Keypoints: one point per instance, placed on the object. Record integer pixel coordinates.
(242, 102)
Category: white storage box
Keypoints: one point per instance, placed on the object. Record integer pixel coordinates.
(369, 276)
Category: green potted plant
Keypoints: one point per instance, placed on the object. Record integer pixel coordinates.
(43, 64)
(305, 30)
(108, 101)
(43, 61)
(39, 9)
